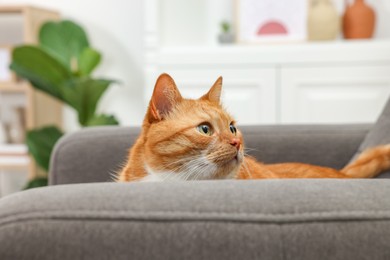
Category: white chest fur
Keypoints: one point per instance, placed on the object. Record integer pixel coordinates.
(200, 169)
(206, 172)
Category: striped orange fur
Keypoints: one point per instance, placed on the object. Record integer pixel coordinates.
(185, 139)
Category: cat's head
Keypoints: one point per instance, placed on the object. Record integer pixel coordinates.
(186, 139)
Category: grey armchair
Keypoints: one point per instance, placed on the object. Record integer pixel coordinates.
(83, 215)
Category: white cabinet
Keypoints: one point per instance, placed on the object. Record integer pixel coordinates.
(337, 94)
(333, 82)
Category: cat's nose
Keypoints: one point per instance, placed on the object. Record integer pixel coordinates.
(236, 143)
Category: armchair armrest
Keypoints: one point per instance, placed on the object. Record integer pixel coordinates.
(263, 219)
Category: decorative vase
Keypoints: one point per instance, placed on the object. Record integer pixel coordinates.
(358, 20)
(323, 21)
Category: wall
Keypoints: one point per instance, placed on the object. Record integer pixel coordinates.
(115, 28)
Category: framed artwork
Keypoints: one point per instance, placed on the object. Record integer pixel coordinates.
(6, 75)
(271, 20)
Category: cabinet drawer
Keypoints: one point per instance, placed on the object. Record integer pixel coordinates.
(354, 94)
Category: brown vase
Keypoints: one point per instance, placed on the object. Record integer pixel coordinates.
(358, 21)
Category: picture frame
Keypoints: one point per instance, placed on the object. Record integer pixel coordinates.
(6, 75)
(262, 21)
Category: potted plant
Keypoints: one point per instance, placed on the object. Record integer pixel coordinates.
(61, 66)
(226, 35)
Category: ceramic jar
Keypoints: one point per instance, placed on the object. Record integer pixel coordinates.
(358, 20)
(323, 21)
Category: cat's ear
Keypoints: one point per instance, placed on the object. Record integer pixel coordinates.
(214, 94)
(165, 97)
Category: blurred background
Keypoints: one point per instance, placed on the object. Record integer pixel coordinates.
(283, 61)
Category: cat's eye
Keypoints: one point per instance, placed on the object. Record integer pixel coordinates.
(233, 129)
(205, 129)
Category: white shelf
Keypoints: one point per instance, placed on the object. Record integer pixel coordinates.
(14, 160)
(13, 149)
(19, 86)
(363, 51)
(14, 156)
(22, 161)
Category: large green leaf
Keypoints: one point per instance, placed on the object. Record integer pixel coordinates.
(65, 40)
(102, 120)
(88, 61)
(83, 95)
(36, 183)
(40, 143)
(42, 70)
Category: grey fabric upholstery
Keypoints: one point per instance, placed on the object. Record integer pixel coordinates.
(268, 219)
(91, 155)
(379, 134)
(95, 154)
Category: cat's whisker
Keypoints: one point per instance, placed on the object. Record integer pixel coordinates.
(114, 174)
(179, 166)
(218, 153)
(197, 170)
(175, 162)
(205, 170)
(185, 159)
(246, 154)
(246, 149)
(187, 173)
(189, 167)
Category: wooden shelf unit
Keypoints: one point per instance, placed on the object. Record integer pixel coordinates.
(33, 18)
(40, 109)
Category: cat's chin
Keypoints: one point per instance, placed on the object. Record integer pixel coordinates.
(230, 169)
(236, 160)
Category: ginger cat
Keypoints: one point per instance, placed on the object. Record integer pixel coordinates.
(185, 139)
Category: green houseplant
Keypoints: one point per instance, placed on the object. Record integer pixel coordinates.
(61, 66)
(226, 35)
